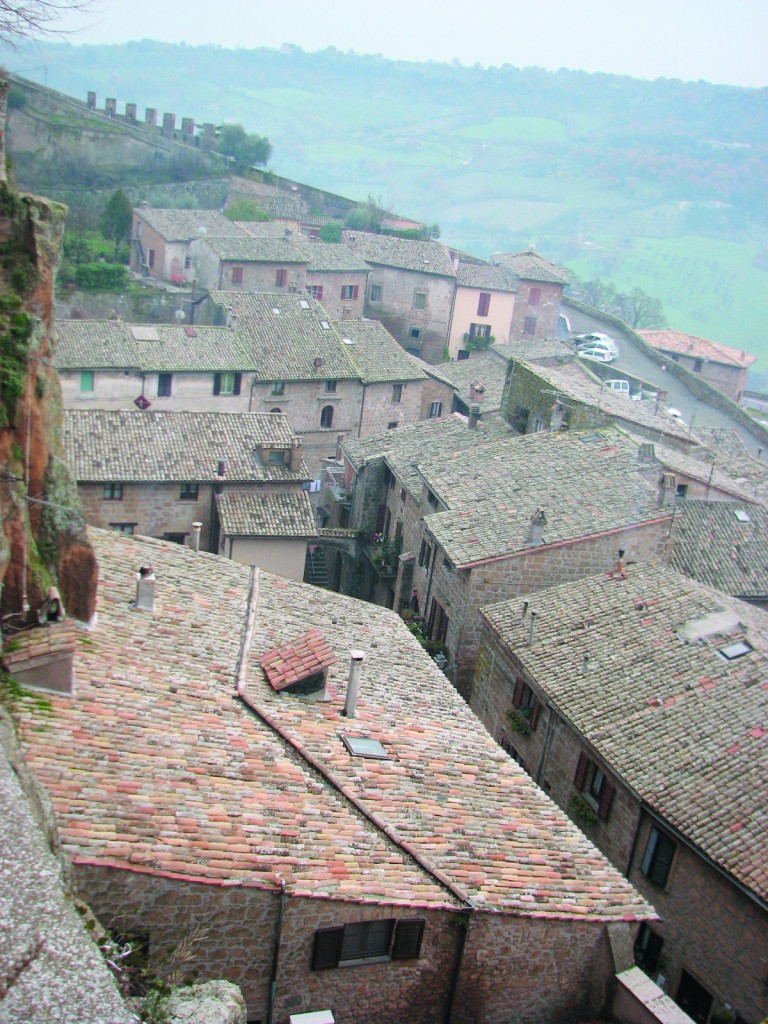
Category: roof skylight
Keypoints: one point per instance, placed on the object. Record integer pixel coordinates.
(360, 746)
(735, 650)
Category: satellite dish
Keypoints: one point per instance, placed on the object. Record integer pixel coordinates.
(178, 316)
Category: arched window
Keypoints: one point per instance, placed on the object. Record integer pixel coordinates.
(276, 409)
(326, 416)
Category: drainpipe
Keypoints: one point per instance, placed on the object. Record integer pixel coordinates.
(362, 407)
(276, 954)
(462, 921)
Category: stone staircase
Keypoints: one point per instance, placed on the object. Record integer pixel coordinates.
(315, 571)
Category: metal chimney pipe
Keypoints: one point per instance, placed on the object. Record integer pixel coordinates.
(356, 659)
(145, 588)
(531, 629)
(196, 528)
(525, 611)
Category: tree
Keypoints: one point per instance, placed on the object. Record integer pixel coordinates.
(24, 19)
(638, 309)
(245, 209)
(116, 218)
(246, 150)
(330, 232)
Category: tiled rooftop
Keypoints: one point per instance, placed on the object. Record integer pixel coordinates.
(724, 550)
(573, 381)
(375, 354)
(123, 445)
(586, 483)
(156, 764)
(330, 257)
(698, 348)
(529, 266)
(705, 472)
(258, 250)
(402, 253)
(184, 225)
(486, 276)
(266, 515)
(484, 368)
(531, 350)
(283, 207)
(683, 726)
(296, 659)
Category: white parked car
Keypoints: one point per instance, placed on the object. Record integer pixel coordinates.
(596, 338)
(676, 415)
(622, 386)
(601, 353)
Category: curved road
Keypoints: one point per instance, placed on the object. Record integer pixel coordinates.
(632, 361)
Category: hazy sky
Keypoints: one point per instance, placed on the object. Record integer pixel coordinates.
(716, 40)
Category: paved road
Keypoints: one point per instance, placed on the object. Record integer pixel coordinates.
(636, 363)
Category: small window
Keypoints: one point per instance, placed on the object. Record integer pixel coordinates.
(123, 527)
(648, 949)
(113, 491)
(392, 425)
(330, 387)
(594, 785)
(326, 417)
(735, 650)
(437, 626)
(397, 392)
(227, 383)
(276, 409)
(435, 410)
(367, 940)
(375, 293)
(658, 857)
(237, 275)
(534, 296)
(682, 490)
(189, 491)
(86, 382)
(164, 385)
(529, 325)
(420, 300)
(278, 387)
(414, 332)
(425, 554)
(281, 277)
(276, 458)
(484, 304)
(403, 494)
(151, 258)
(316, 291)
(524, 699)
(698, 365)
(349, 291)
(432, 500)
(187, 262)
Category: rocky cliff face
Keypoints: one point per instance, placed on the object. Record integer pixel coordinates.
(42, 538)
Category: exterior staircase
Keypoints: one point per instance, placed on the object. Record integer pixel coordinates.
(315, 571)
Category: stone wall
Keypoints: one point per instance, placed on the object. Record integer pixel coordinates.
(397, 311)
(545, 311)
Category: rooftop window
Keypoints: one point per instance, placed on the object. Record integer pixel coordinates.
(735, 650)
(360, 746)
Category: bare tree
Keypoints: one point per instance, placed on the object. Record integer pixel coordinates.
(24, 19)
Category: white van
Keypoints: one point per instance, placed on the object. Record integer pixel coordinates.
(622, 386)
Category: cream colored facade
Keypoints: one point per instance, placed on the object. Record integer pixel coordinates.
(496, 321)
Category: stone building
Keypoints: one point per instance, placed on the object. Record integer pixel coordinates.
(161, 240)
(410, 290)
(279, 353)
(337, 277)
(249, 264)
(721, 366)
(158, 473)
(540, 286)
(212, 772)
(472, 516)
(637, 699)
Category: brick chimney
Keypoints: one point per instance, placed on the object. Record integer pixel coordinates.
(296, 455)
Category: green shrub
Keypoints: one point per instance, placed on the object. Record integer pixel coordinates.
(102, 277)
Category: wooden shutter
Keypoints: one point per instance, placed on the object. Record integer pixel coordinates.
(535, 712)
(238, 382)
(354, 292)
(517, 696)
(408, 936)
(581, 771)
(606, 799)
(327, 948)
(217, 383)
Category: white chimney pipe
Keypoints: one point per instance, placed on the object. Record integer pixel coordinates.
(532, 629)
(356, 659)
(196, 528)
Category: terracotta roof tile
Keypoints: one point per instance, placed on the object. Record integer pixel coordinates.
(698, 348)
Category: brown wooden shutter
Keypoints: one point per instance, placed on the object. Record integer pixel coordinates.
(535, 712)
(517, 696)
(355, 292)
(238, 383)
(581, 771)
(408, 936)
(327, 948)
(217, 383)
(606, 799)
